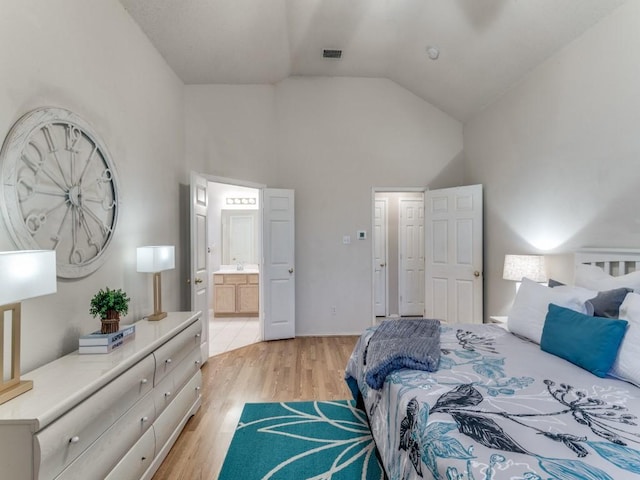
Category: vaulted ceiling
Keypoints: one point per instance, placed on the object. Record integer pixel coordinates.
(485, 46)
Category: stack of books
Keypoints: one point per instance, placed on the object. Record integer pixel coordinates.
(97, 342)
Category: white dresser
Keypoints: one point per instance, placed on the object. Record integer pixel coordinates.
(110, 416)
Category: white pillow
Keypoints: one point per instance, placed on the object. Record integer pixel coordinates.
(532, 304)
(594, 278)
(583, 294)
(627, 364)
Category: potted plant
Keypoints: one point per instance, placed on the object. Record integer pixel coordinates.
(108, 305)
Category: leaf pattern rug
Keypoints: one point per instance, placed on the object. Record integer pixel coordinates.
(302, 440)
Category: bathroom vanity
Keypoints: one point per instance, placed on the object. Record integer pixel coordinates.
(236, 293)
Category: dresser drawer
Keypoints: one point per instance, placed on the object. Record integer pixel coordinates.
(172, 418)
(137, 461)
(163, 394)
(61, 442)
(105, 453)
(171, 353)
(190, 365)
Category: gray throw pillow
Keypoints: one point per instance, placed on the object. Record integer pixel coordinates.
(607, 304)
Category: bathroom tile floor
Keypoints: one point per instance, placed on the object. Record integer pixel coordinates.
(230, 333)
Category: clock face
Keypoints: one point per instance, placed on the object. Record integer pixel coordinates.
(59, 189)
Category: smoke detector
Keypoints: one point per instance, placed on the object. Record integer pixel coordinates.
(433, 52)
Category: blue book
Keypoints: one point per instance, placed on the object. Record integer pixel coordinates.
(106, 339)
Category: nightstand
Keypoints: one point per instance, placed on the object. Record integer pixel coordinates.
(500, 321)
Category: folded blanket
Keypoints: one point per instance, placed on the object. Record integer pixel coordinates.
(405, 343)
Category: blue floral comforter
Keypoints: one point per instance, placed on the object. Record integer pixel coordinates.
(500, 408)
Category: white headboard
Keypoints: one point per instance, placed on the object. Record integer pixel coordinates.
(614, 261)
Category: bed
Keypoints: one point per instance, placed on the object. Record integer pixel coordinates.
(507, 406)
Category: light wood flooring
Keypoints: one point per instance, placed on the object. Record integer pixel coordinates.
(305, 368)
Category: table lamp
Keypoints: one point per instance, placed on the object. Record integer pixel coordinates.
(155, 259)
(25, 274)
(516, 267)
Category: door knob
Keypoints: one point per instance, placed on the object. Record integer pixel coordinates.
(198, 280)
(476, 273)
(382, 264)
(291, 270)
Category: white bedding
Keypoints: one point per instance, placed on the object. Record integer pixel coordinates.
(500, 408)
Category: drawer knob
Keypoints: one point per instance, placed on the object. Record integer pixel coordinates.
(168, 360)
(143, 458)
(75, 439)
(197, 362)
(197, 335)
(144, 419)
(197, 389)
(143, 381)
(167, 394)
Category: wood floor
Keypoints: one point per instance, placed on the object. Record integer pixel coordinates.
(305, 368)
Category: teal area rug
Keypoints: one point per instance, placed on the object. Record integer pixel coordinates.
(302, 440)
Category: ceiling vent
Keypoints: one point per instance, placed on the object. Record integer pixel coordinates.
(326, 53)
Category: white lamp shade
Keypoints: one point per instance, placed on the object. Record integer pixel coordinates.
(26, 274)
(516, 267)
(155, 259)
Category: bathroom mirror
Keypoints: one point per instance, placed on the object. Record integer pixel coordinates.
(240, 237)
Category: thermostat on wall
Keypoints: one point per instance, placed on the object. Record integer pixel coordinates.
(362, 234)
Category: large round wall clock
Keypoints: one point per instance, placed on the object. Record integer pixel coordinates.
(59, 189)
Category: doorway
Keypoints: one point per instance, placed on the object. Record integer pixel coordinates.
(265, 285)
(438, 237)
(398, 251)
(234, 262)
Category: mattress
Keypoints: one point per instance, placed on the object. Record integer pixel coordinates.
(498, 407)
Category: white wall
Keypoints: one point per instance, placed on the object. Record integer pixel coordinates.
(331, 140)
(338, 138)
(230, 131)
(559, 154)
(91, 58)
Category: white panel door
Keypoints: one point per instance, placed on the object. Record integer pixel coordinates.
(278, 264)
(380, 271)
(411, 276)
(198, 279)
(454, 283)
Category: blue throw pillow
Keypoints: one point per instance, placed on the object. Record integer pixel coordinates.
(589, 342)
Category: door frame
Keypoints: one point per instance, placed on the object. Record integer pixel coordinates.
(248, 184)
(375, 190)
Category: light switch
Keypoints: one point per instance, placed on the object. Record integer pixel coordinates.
(346, 239)
(362, 234)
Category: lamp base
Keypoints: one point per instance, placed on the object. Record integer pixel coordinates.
(157, 316)
(15, 390)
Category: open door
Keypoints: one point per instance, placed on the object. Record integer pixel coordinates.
(198, 279)
(454, 282)
(278, 299)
